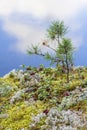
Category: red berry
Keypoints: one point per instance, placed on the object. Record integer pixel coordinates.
(45, 111)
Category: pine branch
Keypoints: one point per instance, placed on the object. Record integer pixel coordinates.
(49, 46)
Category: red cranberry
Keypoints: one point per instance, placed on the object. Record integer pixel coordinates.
(66, 94)
(45, 111)
(32, 73)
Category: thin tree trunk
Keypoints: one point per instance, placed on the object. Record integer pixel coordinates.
(58, 39)
(67, 66)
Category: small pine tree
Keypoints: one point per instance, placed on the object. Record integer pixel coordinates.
(63, 53)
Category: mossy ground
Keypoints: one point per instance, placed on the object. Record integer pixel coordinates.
(47, 93)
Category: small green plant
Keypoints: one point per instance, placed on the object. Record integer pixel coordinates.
(63, 53)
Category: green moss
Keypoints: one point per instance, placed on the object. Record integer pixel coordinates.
(48, 93)
(20, 115)
(82, 105)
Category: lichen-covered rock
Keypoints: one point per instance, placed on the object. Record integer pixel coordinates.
(40, 99)
(59, 120)
(5, 89)
(17, 96)
(74, 97)
(4, 116)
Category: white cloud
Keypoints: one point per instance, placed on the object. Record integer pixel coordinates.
(25, 34)
(77, 41)
(40, 9)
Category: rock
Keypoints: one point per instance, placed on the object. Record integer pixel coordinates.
(5, 89)
(4, 116)
(17, 96)
(11, 72)
(75, 97)
(60, 120)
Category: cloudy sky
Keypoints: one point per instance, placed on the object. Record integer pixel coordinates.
(23, 22)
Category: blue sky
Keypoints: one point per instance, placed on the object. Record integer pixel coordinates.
(23, 22)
